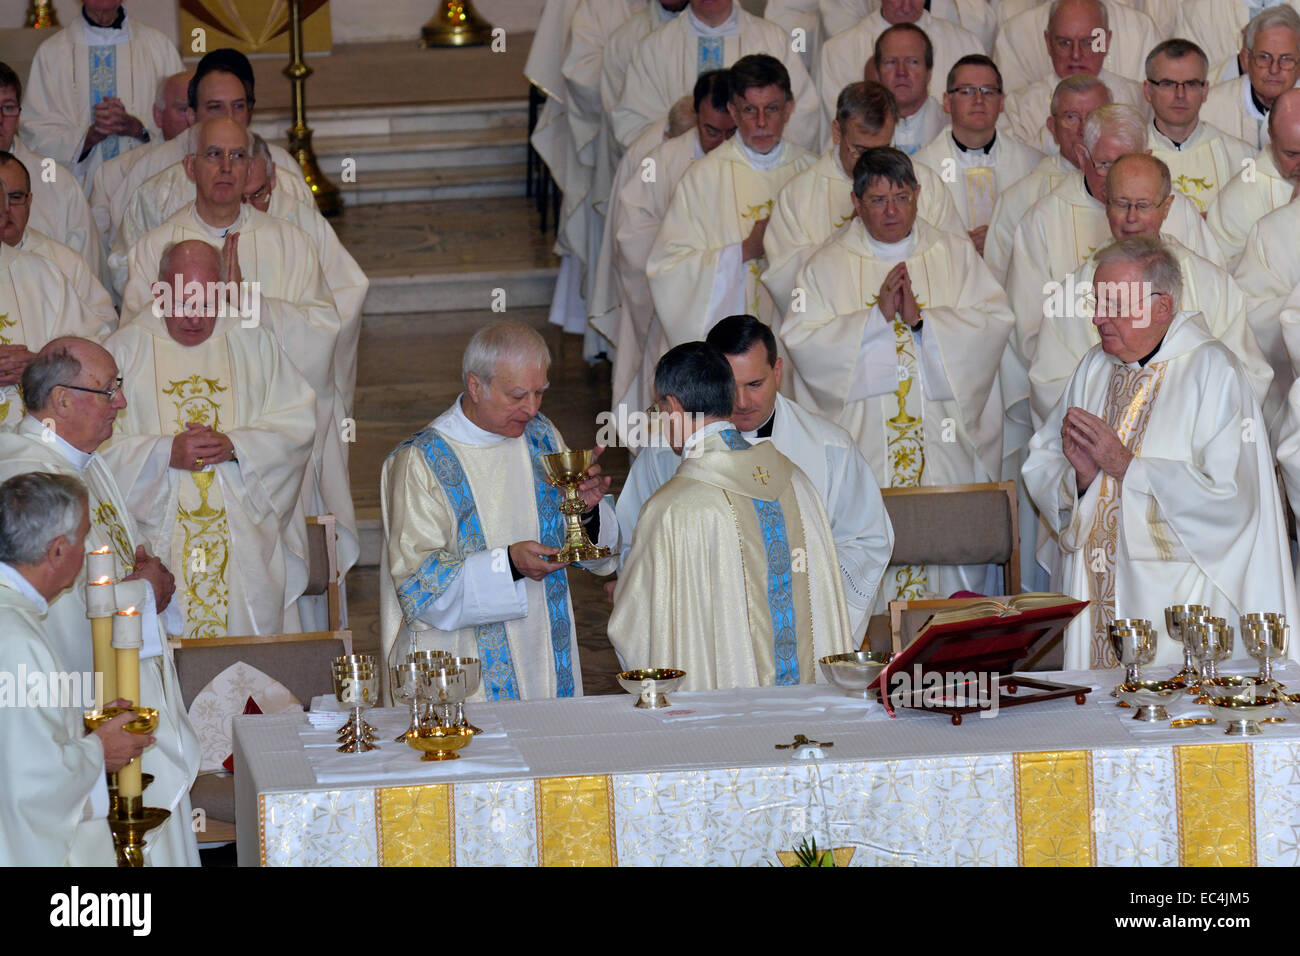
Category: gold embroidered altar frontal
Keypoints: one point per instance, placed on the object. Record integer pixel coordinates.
(1208, 804)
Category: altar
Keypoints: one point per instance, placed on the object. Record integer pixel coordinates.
(594, 781)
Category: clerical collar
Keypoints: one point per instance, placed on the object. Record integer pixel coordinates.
(712, 428)
(664, 14)
(75, 457)
(764, 430)
(892, 251)
(455, 424)
(115, 25)
(1142, 362)
(761, 161)
(986, 149)
(1177, 146)
(24, 587)
(727, 28)
(1261, 110)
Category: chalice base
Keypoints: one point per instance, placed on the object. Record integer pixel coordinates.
(1151, 713)
(1242, 728)
(455, 24)
(661, 700)
(584, 552)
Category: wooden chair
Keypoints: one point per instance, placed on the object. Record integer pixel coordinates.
(950, 525)
(323, 564)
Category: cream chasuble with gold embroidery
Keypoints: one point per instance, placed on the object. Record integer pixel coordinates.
(695, 268)
(817, 203)
(975, 177)
(174, 758)
(1202, 164)
(1244, 201)
(1197, 518)
(37, 303)
(732, 574)
(233, 533)
(923, 408)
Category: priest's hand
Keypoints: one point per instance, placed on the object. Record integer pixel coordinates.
(593, 489)
(151, 569)
(527, 556)
(1099, 441)
(1085, 469)
(120, 747)
(752, 247)
(199, 446)
(111, 119)
(978, 236)
(907, 305)
(14, 360)
(888, 299)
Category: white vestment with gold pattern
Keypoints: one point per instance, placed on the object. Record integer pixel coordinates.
(1244, 201)
(1202, 164)
(1197, 518)
(975, 178)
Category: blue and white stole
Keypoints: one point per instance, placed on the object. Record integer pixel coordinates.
(103, 84)
(780, 583)
(439, 569)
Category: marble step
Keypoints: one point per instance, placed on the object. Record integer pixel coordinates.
(358, 122)
(427, 185)
(460, 291)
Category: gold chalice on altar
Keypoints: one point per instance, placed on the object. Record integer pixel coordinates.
(652, 685)
(439, 743)
(567, 470)
(144, 722)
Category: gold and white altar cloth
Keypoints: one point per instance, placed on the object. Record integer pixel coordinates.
(1054, 784)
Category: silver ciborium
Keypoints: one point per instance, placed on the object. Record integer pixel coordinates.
(567, 470)
(854, 672)
(1243, 715)
(1149, 697)
(652, 685)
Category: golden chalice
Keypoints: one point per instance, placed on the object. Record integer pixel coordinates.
(567, 470)
(145, 720)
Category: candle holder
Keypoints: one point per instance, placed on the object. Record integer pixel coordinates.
(128, 818)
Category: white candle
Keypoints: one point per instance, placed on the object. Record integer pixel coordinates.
(127, 640)
(101, 601)
(101, 563)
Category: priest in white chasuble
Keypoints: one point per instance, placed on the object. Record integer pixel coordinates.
(844, 55)
(899, 342)
(75, 394)
(211, 450)
(470, 521)
(1146, 471)
(117, 180)
(710, 35)
(1139, 196)
(158, 186)
(1071, 44)
(1201, 158)
(904, 62)
(732, 574)
(645, 188)
(1037, 42)
(1261, 188)
(1271, 52)
(53, 795)
(980, 163)
(708, 255)
(91, 87)
(822, 450)
(17, 230)
(1069, 224)
(346, 283)
(37, 303)
(818, 202)
(1217, 25)
(1073, 99)
(59, 207)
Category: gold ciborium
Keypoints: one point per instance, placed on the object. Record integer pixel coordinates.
(566, 470)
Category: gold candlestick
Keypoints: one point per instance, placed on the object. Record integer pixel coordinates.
(456, 24)
(40, 15)
(328, 199)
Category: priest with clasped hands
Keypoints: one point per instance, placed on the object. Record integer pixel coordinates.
(471, 521)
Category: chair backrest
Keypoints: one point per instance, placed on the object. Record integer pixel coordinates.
(323, 563)
(301, 662)
(957, 524)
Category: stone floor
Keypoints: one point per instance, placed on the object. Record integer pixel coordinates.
(408, 373)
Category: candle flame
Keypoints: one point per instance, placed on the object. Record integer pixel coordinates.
(104, 550)
(104, 580)
(129, 611)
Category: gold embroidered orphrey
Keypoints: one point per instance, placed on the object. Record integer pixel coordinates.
(110, 525)
(1130, 397)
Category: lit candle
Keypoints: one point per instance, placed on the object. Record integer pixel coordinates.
(101, 604)
(101, 563)
(127, 640)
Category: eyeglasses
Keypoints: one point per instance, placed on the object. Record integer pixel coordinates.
(215, 154)
(259, 194)
(1187, 86)
(1265, 61)
(10, 109)
(988, 92)
(1124, 205)
(1102, 167)
(18, 198)
(109, 393)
